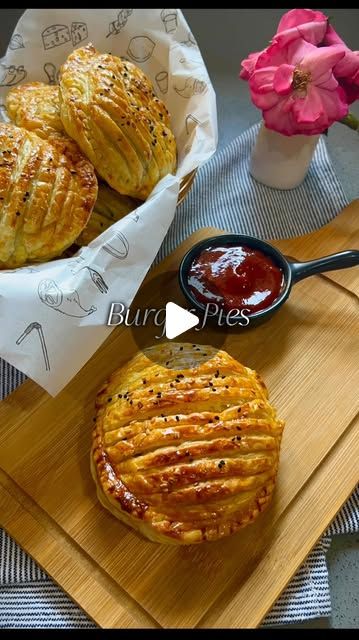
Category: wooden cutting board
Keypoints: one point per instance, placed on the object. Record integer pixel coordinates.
(308, 354)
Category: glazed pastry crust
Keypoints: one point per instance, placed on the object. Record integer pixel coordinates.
(110, 206)
(109, 107)
(45, 198)
(186, 444)
(36, 107)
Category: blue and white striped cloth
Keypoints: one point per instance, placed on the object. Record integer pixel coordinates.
(225, 196)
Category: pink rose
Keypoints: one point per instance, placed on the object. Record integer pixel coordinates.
(347, 69)
(294, 86)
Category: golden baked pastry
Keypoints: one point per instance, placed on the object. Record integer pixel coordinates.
(109, 107)
(45, 198)
(186, 444)
(36, 107)
(110, 206)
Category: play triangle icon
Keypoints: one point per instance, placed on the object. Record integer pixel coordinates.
(178, 320)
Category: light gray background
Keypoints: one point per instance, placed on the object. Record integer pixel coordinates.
(225, 37)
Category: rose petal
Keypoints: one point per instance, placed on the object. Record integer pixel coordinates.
(283, 79)
(348, 66)
(322, 59)
(248, 65)
(313, 32)
(279, 119)
(261, 80)
(296, 17)
(309, 109)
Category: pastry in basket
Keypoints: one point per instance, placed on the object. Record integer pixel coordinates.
(109, 107)
(36, 107)
(110, 206)
(45, 198)
(186, 444)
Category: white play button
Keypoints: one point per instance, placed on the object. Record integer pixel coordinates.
(178, 320)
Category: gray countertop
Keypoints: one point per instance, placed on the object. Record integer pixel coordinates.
(225, 37)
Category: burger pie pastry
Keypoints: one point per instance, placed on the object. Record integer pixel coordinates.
(109, 107)
(185, 445)
(45, 198)
(110, 206)
(36, 107)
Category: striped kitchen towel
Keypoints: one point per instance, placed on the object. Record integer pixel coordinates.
(225, 196)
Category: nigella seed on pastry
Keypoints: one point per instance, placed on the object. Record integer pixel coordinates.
(176, 469)
(130, 169)
(49, 224)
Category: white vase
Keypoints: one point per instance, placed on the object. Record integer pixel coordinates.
(279, 161)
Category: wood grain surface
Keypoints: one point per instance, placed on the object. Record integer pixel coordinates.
(307, 353)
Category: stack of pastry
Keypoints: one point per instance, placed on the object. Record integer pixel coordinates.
(79, 155)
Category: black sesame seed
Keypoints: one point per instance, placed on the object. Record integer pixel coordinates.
(177, 418)
(144, 381)
(150, 391)
(210, 384)
(159, 394)
(226, 386)
(119, 395)
(109, 399)
(181, 348)
(213, 389)
(239, 438)
(239, 429)
(18, 213)
(216, 417)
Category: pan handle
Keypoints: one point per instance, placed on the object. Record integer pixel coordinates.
(342, 260)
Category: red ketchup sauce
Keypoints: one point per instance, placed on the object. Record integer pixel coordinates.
(235, 277)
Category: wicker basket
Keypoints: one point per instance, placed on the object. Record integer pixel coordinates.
(185, 186)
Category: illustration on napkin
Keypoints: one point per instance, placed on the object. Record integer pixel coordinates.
(162, 81)
(192, 87)
(116, 26)
(190, 42)
(16, 42)
(9, 76)
(169, 19)
(69, 304)
(97, 279)
(58, 34)
(119, 250)
(140, 48)
(40, 333)
(190, 123)
(51, 72)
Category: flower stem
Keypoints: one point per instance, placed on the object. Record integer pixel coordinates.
(351, 121)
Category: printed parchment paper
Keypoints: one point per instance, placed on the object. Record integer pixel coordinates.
(53, 315)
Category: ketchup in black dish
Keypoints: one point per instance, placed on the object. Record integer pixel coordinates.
(235, 277)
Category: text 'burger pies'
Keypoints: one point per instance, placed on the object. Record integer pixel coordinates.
(109, 107)
(45, 198)
(186, 444)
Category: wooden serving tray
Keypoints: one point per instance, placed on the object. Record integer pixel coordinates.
(308, 355)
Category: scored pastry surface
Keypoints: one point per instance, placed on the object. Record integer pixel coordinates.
(185, 454)
(36, 107)
(109, 107)
(46, 197)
